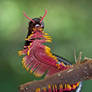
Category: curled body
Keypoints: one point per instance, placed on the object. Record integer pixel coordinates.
(39, 59)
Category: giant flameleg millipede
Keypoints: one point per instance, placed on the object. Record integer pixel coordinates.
(39, 59)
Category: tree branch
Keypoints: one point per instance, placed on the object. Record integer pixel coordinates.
(78, 72)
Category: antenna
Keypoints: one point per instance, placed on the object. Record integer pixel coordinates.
(29, 18)
(43, 16)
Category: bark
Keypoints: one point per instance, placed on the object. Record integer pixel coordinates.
(78, 72)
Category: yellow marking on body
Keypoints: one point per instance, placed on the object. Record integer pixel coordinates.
(55, 86)
(34, 29)
(37, 74)
(77, 84)
(58, 66)
(40, 29)
(27, 68)
(62, 64)
(48, 40)
(28, 52)
(23, 61)
(45, 33)
(20, 53)
(24, 65)
(49, 86)
(30, 44)
(37, 90)
(47, 50)
(26, 39)
(29, 37)
(74, 86)
(68, 86)
(61, 86)
(47, 37)
(31, 71)
(65, 86)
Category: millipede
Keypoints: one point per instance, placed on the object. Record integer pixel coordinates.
(39, 60)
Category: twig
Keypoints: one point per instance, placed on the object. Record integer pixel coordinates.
(78, 72)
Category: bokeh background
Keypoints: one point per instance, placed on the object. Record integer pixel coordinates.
(69, 22)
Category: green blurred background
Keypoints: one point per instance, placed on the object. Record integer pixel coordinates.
(69, 22)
